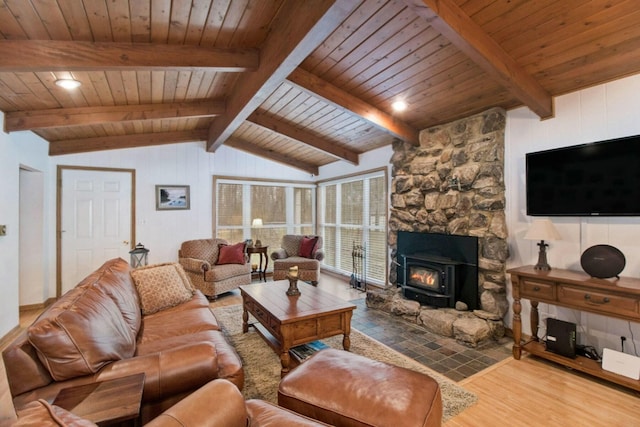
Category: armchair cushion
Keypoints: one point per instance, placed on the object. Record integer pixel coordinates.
(231, 254)
(291, 245)
(161, 286)
(201, 249)
(308, 246)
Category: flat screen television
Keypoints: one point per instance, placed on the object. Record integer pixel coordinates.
(595, 179)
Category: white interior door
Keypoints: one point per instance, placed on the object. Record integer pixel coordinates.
(96, 221)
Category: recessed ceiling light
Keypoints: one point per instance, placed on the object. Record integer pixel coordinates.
(68, 83)
(399, 106)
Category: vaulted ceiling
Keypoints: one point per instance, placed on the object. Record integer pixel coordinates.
(301, 82)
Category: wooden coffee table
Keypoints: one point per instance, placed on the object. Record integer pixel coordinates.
(287, 321)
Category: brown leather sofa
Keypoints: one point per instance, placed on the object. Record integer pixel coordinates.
(195, 410)
(97, 331)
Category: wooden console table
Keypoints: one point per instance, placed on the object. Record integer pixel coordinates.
(618, 298)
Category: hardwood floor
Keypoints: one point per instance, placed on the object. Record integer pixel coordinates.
(534, 392)
(527, 392)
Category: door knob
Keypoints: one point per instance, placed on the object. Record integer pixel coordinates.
(126, 242)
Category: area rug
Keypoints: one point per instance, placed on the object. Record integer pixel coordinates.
(262, 365)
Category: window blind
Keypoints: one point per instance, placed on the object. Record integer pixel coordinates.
(353, 211)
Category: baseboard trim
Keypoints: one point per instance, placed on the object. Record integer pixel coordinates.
(39, 306)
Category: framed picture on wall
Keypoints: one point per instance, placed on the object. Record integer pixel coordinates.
(172, 197)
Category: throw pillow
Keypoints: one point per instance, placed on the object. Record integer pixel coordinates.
(231, 254)
(161, 286)
(307, 246)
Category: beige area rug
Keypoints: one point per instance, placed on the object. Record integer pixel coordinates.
(262, 365)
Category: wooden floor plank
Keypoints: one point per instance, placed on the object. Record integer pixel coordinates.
(534, 392)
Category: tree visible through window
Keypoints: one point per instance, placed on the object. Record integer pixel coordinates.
(283, 208)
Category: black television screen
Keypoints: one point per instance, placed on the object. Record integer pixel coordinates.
(595, 179)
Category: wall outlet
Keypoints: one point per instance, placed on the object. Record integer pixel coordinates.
(3, 230)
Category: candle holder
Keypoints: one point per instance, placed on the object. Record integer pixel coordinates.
(293, 287)
(292, 275)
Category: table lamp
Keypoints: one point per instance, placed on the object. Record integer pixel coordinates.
(257, 223)
(542, 229)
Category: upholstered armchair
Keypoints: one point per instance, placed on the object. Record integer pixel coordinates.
(215, 267)
(302, 251)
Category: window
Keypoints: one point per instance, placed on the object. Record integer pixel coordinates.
(353, 211)
(284, 208)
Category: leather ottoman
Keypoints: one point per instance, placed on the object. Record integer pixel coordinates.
(345, 389)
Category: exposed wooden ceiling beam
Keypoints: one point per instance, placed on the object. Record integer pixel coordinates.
(272, 155)
(297, 30)
(315, 141)
(336, 96)
(83, 145)
(54, 55)
(451, 21)
(39, 119)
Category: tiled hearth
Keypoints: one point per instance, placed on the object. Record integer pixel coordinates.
(441, 354)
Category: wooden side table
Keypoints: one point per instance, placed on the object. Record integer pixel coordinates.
(106, 402)
(262, 252)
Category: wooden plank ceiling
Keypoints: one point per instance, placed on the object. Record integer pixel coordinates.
(304, 83)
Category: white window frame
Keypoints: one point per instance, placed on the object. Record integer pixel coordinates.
(366, 218)
(289, 186)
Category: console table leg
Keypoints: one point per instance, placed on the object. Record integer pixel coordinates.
(517, 329)
(535, 322)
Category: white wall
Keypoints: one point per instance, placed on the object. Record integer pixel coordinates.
(373, 159)
(16, 150)
(598, 113)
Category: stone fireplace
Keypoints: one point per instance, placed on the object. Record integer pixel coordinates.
(453, 183)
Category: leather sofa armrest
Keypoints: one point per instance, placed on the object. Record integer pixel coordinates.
(279, 253)
(267, 414)
(319, 255)
(198, 408)
(195, 265)
(169, 372)
(41, 413)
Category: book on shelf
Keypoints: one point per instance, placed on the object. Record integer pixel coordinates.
(304, 351)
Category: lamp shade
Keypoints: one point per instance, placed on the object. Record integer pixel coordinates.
(542, 229)
(257, 222)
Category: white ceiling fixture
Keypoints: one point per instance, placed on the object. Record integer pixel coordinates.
(68, 83)
(399, 105)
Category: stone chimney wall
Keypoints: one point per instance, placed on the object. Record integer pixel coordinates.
(453, 183)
